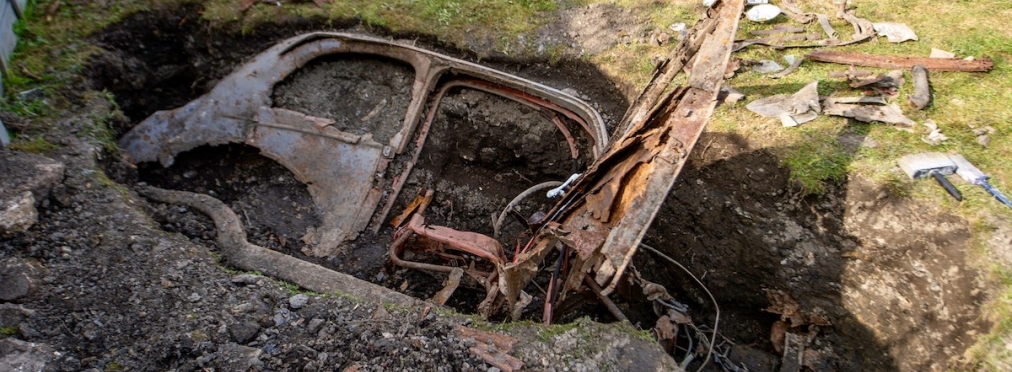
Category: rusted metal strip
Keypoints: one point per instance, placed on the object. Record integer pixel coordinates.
(871, 60)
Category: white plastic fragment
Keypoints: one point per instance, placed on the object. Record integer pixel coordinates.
(762, 13)
(799, 108)
(894, 32)
(559, 191)
(938, 53)
(767, 67)
(935, 136)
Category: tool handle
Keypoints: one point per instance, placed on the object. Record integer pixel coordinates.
(948, 186)
(997, 194)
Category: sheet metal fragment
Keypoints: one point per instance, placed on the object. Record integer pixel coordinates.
(891, 114)
(800, 107)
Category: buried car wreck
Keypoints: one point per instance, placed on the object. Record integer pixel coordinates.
(356, 172)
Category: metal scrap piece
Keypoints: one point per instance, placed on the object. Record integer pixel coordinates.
(344, 171)
(793, 67)
(800, 107)
(498, 355)
(891, 114)
(452, 282)
(894, 32)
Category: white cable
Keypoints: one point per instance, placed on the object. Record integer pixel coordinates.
(561, 190)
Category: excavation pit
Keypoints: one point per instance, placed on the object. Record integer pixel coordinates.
(722, 220)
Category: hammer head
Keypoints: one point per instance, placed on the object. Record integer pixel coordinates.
(921, 165)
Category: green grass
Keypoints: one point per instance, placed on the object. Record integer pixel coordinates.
(52, 50)
(36, 145)
(9, 330)
(455, 22)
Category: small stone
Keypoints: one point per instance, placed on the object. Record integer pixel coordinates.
(19, 277)
(494, 369)
(298, 301)
(243, 332)
(869, 142)
(240, 358)
(984, 140)
(17, 213)
(314, 325)
(194, 297)
(246, 279)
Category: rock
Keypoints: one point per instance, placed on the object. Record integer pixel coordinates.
(753, 359)
(235, 357)
(243, 332)
(246, 279)
(729, 95)
(17, 355)
(17, 213)
(28, 172)
(314, 325)
(298, 301)
(19, 277)
(984, 140)
(12, 315)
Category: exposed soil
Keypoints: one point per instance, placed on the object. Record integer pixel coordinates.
(891, 277)
(363, 95)
(483, 151)
(593, 28)
(276, 208)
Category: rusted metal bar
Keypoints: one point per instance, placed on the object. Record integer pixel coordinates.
(871, 60)
(608, 303)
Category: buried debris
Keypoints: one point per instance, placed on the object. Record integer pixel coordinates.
(585, 242)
